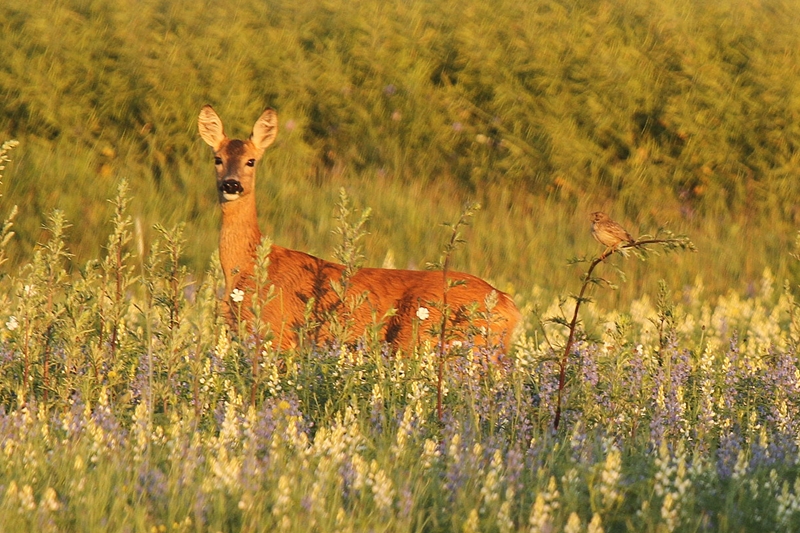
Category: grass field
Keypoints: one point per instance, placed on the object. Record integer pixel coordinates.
(682, 116)
(127, 405)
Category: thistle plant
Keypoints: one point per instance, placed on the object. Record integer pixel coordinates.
(263, 294)
(55, 256)
(794, 307)
(350, 253)
(40, 307)
(665, 320)
(442, 331)
(117, 278)
(208, 327)
(643, 247)
(5, 231)
(165, 281)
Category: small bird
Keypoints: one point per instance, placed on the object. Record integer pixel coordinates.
(608, 233)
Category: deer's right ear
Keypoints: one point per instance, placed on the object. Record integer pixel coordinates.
(210, 126)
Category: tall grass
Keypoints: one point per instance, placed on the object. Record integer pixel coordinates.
(676, 116)
(140, 412)
(126, 405)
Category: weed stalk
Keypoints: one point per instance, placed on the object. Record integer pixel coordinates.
(668, 243)
(456, 240)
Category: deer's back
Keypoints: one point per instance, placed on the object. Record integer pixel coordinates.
(299, 277)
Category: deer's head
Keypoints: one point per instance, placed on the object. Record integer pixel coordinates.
(234, 159)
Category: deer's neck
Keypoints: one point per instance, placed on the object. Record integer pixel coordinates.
(238, 239)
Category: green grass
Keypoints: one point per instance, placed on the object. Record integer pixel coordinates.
(674, 115)
(126, 405)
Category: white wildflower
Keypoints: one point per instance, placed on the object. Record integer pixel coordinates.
(361, 470)
(609, 479)
(573, 523)
(671, 482)
(504, 521)
(283, 501)
(26, 501)
(544, 507)
(404, 432)
(669, 512)
(50, 500)
(430, 453)
(423, 313)
(226, 468)
(223, 347)
(493, 480)
(382, 487)
(788, 503)
(740, 469)
(596, 525)
(454, 449)
(12, 323)
(237, 295)
(471, 525)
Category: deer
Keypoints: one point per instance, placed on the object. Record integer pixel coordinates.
(400, 304)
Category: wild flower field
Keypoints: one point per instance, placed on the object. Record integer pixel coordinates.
(126, 405)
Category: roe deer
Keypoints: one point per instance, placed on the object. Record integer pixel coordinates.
(298, 277)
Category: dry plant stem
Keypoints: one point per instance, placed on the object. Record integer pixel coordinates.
(587, 280)
(562, 370)
(27, 358)
(442, 336)
(455, 239)
(254, 386)
(118, 298)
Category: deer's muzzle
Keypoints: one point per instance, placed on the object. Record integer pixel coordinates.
(231, 187)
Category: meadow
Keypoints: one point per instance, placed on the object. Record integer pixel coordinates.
(127, 403)
(681, 116)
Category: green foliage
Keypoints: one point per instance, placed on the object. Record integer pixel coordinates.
(350, 254)
(674, 114)
(5, 232)
(124, 398)
(123, 405)
(263, 294)
(444, 330)
(641, 247)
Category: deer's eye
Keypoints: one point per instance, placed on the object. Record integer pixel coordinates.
(217, 160)
(251, 162)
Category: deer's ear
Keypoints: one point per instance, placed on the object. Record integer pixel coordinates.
(210, 126)
(265, 130)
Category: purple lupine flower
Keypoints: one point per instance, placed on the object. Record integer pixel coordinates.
(406, 502)
(593, 388)
(515, 465)
(306, 503)
(151, 483)
(728, 453)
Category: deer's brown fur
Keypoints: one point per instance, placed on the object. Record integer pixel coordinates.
(298, 277)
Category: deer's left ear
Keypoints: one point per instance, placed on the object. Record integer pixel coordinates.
(265, 130)
(210, 126)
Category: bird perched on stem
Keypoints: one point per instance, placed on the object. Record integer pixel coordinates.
(609, 233)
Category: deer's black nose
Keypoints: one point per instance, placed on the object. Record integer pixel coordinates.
(231, 187)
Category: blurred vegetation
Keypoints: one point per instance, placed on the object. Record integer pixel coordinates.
(682, 114)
